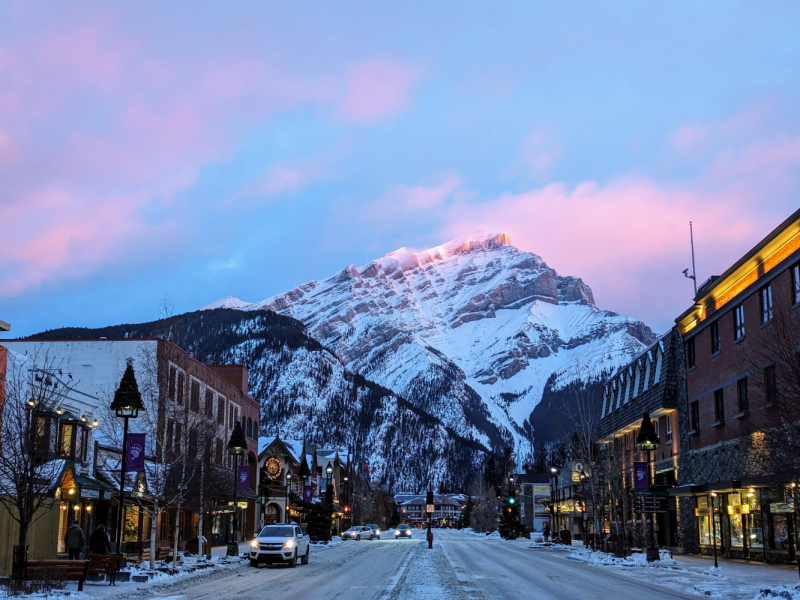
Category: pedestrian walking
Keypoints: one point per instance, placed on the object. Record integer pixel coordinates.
(99, 542)
(74, 540)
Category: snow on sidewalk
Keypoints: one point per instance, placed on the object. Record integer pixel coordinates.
(693, 575)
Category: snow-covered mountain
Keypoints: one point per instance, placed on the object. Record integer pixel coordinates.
(474, 332)
(306, 393)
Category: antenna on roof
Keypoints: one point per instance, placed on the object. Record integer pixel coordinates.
(693, 276)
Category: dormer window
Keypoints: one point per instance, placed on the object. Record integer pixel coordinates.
(73, 440)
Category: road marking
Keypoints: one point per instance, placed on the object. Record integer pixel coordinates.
(396, 579)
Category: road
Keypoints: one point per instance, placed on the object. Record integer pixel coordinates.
(460, 567)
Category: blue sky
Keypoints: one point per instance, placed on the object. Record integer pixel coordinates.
(201, 149)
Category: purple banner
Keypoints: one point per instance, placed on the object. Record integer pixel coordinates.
(134, 457)
(243, 477)
(641, 481)
(308, 494)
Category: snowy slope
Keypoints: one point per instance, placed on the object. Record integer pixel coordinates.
(470, 331)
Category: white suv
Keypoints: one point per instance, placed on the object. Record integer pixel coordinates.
(280, 543)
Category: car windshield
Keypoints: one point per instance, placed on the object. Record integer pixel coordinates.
(403, 527)
(277, 531)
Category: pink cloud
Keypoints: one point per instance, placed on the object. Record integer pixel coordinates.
(377, 89)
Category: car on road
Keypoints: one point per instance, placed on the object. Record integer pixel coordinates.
(358, 533)
(402, 531)
(280, 544)
(376, 530)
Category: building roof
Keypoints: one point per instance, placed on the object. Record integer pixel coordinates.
(782, 242)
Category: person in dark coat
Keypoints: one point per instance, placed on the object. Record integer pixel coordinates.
(99, 542)
(74, 540)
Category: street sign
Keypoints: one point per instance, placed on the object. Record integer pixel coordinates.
(429, 508)
(656, 502)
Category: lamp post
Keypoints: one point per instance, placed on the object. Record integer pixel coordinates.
(288, 483)
(346, 479)
(648, 440)
(237, 446)
(126, 405)
(714, 528)
(328, 486)
(553, 500)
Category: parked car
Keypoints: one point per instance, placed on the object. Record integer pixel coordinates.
(280, 543)
(358, 533)
(402, 531)
(376, 530)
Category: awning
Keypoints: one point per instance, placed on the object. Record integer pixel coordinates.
(691, 489)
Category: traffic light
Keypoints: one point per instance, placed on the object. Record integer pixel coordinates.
(511, 500)
(347, 509)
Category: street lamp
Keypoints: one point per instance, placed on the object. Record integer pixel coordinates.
(328, 486)
(126, 405)
(346, 479)
(288, 483)
(713, 528)
(237, 446)
(553, 500)
(648, 440)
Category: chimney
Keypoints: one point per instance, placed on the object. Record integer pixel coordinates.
(236, 375)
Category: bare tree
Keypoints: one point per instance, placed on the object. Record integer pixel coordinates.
(29, 469)
(166, 307)
(484, 512)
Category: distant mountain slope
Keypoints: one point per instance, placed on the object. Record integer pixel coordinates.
(474, 332)
(306, 392)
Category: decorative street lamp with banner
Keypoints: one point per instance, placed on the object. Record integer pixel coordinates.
(647, 440)
(237, 446)
(126, 405)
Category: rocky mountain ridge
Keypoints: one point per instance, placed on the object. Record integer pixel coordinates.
(474, 332)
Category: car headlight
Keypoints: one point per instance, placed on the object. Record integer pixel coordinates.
(378, 532)
(289, 544)
(254, 544)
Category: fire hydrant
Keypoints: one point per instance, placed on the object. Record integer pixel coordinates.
(430, 540)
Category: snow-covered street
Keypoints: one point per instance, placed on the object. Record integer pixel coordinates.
(464, 566)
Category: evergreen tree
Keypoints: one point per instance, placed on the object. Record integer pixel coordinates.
(540, 460)
(490, 475)
(319, 522)
(466, 512)
(509, 514)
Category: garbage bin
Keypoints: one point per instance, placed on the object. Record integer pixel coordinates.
(566, 537)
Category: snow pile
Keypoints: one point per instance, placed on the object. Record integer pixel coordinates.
(495, 535)
(609, 560)
(782, 592)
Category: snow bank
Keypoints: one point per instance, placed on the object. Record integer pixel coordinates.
(782, 592)
(609, 560)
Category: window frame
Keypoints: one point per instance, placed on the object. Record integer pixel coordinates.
(691, 354)
(714, 332)
(742, 397)
(770, 385)
(738, 322)
(795, 289)
(668, 432)
(766, 304)
(719, 406)
(694, 416)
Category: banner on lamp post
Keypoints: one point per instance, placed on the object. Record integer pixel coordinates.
(308, 494)
(134, 453)
(641, 479)
(243, 477)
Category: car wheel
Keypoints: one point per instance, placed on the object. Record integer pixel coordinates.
(304, 560)
(253, 562)
(293, 562)
(358, 538)
(371, 538)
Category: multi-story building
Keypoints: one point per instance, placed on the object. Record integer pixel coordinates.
(191, 410)
(446, 510)
(739, 437)
(655, 383)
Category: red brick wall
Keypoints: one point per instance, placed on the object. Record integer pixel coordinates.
(735, 360)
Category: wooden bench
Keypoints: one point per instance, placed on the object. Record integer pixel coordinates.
(57, 570)
(105, 564)
(163, 550)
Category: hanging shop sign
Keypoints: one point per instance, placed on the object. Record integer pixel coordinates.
(741, 509)
(273, 467)
(781, 507)
(90, 493)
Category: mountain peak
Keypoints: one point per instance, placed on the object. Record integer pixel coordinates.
(470, 243)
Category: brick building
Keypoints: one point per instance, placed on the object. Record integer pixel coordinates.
(191, 409)
(653, 382)
(738, 447)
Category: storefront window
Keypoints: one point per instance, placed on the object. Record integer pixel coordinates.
(737, 532)
(756, 531)
(66, 439)
(704, 522)
(780, 532)
(131, 525)
(216, 526)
